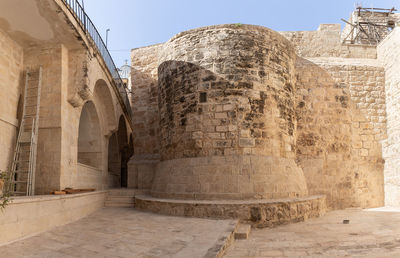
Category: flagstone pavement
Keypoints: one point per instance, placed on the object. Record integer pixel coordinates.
(369, 233)
(125, 232)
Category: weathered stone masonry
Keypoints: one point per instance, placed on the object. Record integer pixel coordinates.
(242, 116)
(247, 110)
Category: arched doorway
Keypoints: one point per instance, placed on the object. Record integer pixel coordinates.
(89, 137)
(114, 162)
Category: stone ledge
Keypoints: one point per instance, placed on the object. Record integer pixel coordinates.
(225, 240)
(43, 198)
(30, 215)
(260, 213)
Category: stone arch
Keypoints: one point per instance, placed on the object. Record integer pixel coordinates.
(106, 105)
(89, 137)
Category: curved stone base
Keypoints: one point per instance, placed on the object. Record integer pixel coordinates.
(229, 177)
(261, 213)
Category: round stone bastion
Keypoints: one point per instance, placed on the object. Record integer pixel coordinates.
(227, 116)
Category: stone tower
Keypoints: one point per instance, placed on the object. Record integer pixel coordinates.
(227, 125)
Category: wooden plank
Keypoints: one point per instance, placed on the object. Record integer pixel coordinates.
(75, 191)
(59, 193)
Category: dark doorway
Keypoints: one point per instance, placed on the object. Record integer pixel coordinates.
(124, 150)
(124, 167)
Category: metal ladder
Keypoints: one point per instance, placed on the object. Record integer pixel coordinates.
(22, 174)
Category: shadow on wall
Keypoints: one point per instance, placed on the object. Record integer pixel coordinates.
(125, 152)
(145, 113)
(225, 110)
(335, 143)
(227, 136)
(145, 135)
(204, 114)
(114, 162)
(89, 138)
(119, 152)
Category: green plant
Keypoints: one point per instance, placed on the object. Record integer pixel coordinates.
(238, 24)
(4, 190)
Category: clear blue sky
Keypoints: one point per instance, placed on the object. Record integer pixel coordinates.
(137, 23)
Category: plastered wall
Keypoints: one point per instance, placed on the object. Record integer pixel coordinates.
(11, 82)
(389, 55)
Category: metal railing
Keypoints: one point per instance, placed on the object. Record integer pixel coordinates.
(88, 26)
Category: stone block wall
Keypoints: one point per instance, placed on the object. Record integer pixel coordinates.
(57, 163)
(346, 159)
(389, 55)
(364, 79)
(245, 75)
(337, 146)
(229, 106)
(144, 74)
(11, 83)
(28, 216)
(49, 139)
(227, 91)
(72, 70)
(144, 64)
(326, 42)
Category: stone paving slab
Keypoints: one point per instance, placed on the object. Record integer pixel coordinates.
(370, 233)
(125, 232)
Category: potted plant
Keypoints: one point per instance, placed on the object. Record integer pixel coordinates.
(4, 193)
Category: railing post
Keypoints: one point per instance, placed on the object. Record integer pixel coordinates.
(94, 35)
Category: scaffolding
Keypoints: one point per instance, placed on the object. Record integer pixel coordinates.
(369, 25)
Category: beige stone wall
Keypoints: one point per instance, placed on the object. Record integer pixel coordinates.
(229, 177)
(338, 144)
(389, 54)
(71, 77)
(326, 42)
(364, 79)
(11, 81)
(144, 77)
(144, 64)
(88, 82)
(49, 139)
(341, 117)
(89, 177)
(27, 216)
(339, 120)
(73, 74)
(246, 74)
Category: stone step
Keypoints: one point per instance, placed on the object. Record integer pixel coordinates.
(118, 204)
(242, 231)
(126, 192)
(116, 198)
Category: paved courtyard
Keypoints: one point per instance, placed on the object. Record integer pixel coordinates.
(370, 233)
(125, 232)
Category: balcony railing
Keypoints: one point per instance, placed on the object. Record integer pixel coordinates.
(88, 26)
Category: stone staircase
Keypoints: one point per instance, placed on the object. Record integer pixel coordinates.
(122, 197)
